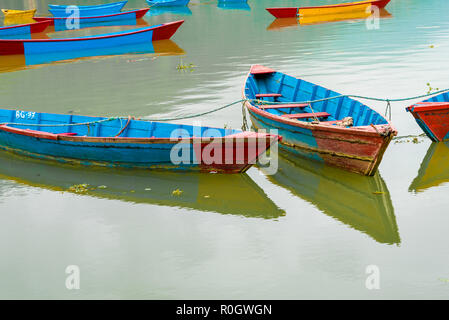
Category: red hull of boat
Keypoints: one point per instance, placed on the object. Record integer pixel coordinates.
(433, 118)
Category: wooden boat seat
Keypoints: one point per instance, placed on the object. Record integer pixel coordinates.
(268, 95)
(282, 106)
(306, 115)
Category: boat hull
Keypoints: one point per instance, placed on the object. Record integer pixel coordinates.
(38, 46)
(30, 28)
(357, 147)
(433, 120)
(168, 3)
(97, 143)
(127, 15)
(22, 14)
(359, 152)
(87, 11)
(290, 12)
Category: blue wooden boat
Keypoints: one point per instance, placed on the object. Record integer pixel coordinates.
(118, 142)
(122, 18)
(341, 132)
(233, 5)
(167, 3)
(87, 11)
(118, 39)
(156, 11)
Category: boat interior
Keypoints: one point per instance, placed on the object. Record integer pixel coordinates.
(287, 97)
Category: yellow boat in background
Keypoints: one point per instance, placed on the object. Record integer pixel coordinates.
(18, 16)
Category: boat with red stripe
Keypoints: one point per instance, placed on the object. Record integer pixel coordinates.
(25, 29)
(292, 12)
(317, 123)
(129, 37)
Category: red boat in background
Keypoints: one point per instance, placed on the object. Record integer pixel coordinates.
(433, 117)
(291, 12)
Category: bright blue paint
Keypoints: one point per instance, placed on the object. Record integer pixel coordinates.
(296, 91)
(33, 59)
(89, 42)
(8, 31)
(125, 20)
(167, 3)
(156, 11)
(113, 154)
(234, 5)
(88, 11)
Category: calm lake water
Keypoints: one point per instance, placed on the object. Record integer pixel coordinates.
(307, 232)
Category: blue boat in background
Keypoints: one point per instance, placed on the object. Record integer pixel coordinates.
(233, 5)
(167, 3)
(129, 143)
(117, 19)
(157, 11)
(87, 11)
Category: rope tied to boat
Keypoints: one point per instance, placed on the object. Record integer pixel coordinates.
(59, 124)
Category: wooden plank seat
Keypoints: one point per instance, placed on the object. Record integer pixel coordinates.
(283, 106)
(268, 95)
(306, 115)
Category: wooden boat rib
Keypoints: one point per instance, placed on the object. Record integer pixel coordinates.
(28, 28)
(127, 15)
(432, 115)
(142, 35)
(87, 11)
(98, 141)
(167, 3)
(322, 132)
(291, 12)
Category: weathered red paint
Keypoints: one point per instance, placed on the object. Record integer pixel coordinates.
(434, 116)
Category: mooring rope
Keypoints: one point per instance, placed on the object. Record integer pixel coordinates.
(310, 102)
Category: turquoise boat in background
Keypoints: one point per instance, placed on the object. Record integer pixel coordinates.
(167, 3)
(87, 11)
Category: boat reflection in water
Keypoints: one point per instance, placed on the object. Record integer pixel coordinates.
(233, 5)
(183, 11)
(17, 62)
(235, 194)
(363, 203)
(320, 19)
(434, 169)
